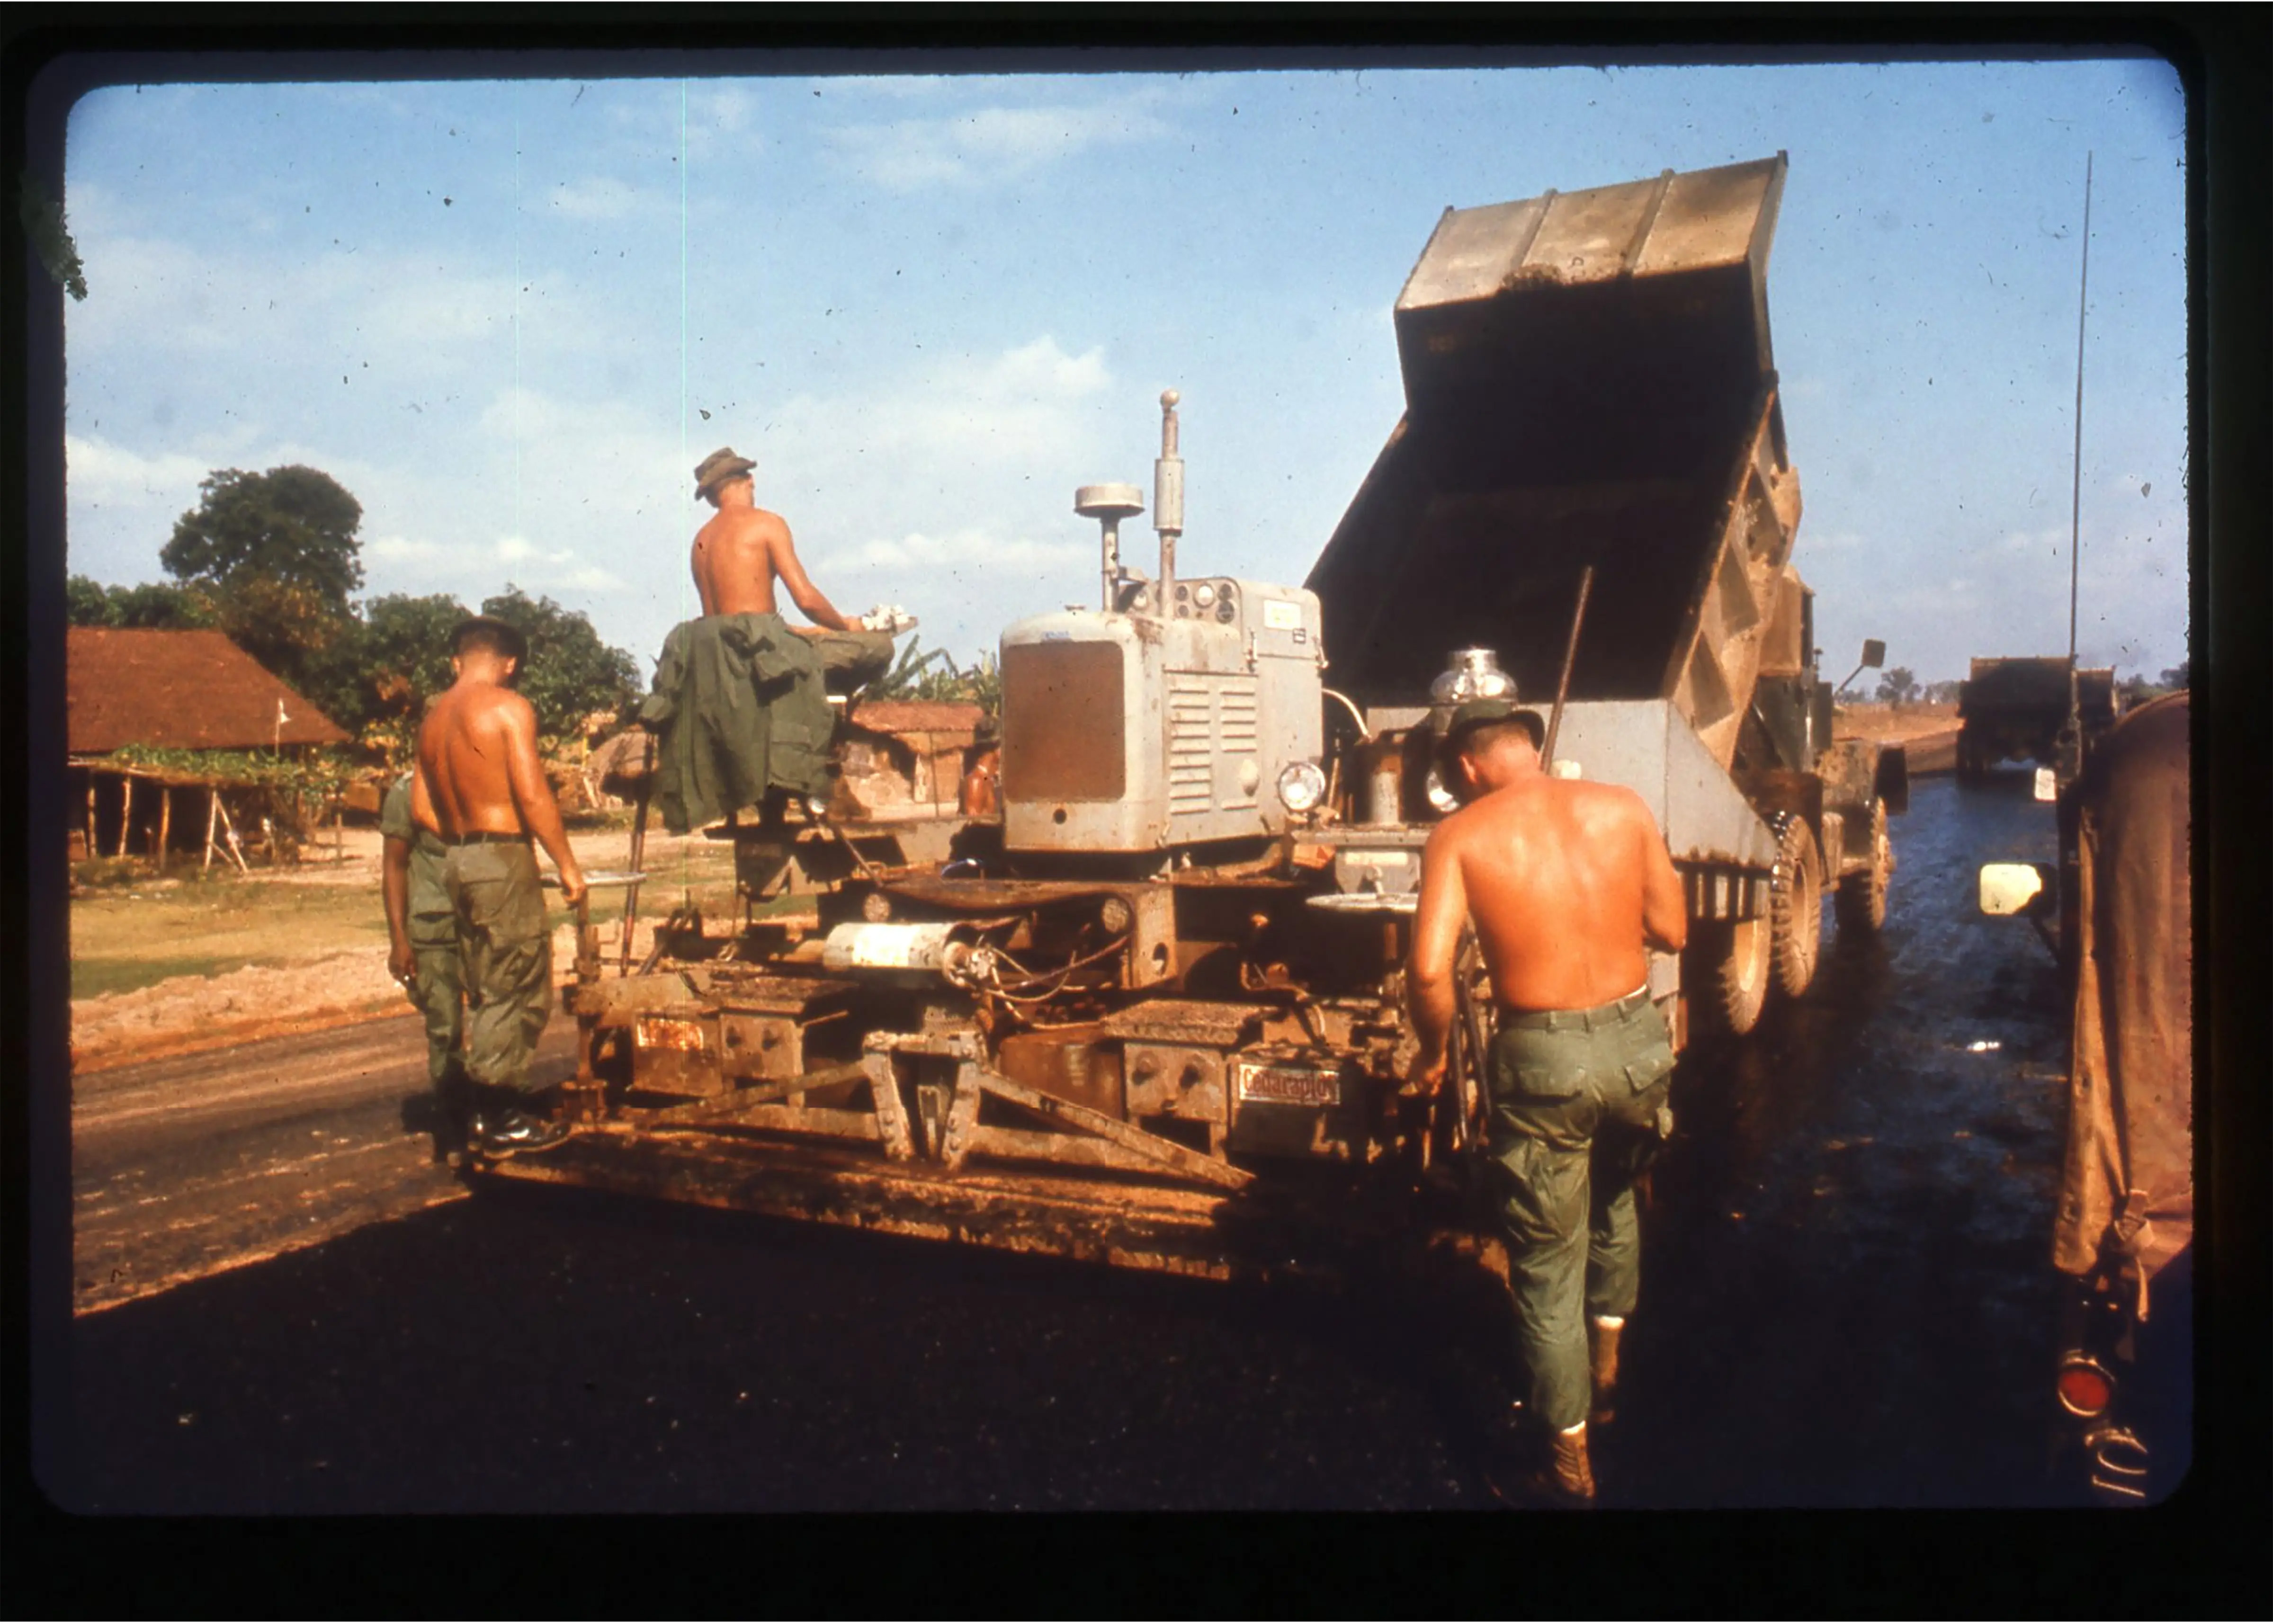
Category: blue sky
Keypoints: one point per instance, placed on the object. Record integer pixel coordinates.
(510, 317)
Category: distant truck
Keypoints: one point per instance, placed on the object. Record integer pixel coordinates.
(2012, 709)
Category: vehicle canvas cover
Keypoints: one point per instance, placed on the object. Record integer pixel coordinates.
(2129, 1179)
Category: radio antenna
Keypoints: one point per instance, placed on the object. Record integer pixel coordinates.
(2070, 747)
(2075, 510)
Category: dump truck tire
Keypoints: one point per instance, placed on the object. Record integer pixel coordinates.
(1861, 904)
(1796, 907)
(1734, 960)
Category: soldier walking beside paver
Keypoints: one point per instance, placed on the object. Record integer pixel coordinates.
(1568, 883)
(480, 789)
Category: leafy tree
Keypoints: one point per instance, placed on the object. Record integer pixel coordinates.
(2179, 676)
(299, 636)
(570, 673)
(1897, 686)
(406, 651)
(276, 556)
(401, 659)
(155, 604)
(164, 607)
(87, 602)
(295, 526)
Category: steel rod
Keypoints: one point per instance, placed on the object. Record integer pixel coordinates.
(638, 847)
(1570, 654)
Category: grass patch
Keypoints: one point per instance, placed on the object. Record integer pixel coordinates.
(211, 927)
(92, 977)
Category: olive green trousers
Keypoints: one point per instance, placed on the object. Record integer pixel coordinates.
(440, 998)
(504, 959)
(1578, 1110)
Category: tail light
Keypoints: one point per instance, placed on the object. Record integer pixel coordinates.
(2084, 1387)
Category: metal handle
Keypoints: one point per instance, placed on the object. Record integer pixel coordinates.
(1570, 654)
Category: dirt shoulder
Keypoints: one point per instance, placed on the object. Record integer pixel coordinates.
(299, 962)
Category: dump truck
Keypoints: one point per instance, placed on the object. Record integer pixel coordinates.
(1592, 397)
(2014, 708)
(1151, 1012)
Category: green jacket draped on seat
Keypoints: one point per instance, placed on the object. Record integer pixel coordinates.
(738, 709)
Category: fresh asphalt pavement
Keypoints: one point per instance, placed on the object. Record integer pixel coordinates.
(1847, 1300)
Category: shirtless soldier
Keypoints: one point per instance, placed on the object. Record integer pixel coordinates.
(740, 552)
(479, 786)
(1567, 882)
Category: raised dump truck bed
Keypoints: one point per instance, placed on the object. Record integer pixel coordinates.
(1589, 381)
(1590, 385)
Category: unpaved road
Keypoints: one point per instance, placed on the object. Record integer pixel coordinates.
(185, 1167)
(1845, 1301)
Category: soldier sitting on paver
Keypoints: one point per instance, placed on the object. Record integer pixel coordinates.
(480, 787)
(718, 751)
(422, 932)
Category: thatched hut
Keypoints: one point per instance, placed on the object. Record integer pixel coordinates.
(191, 691)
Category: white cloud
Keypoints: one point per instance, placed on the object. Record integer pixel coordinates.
(991, 143)
(963, 551)
(2038, 543)
(600, 197)
(521, 550)
(726, 109)
(158, 299)
(404, 550)
(99, 471)
(1015, 408)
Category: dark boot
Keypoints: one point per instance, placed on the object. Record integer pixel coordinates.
(524, 1123)
(1603, 1357)
(1568, 1478)
(1517, 1474)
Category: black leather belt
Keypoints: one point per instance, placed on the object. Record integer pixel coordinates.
(1556, 1020)
(482, 837)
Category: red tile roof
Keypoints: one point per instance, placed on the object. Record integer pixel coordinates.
(180, 690)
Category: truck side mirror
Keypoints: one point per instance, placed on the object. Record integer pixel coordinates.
(2009, 888)
(1874, 654)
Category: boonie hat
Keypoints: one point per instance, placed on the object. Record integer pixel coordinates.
(515, 645)
(719, 466)
(1476, 713)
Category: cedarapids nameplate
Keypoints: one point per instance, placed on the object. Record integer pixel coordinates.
(1287, 1085)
